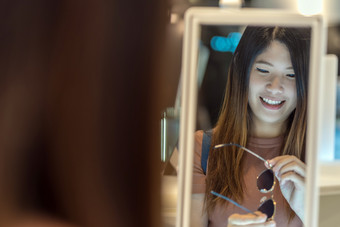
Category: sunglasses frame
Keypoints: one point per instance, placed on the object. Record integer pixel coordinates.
(274, 211)
(273, 185)
(257, 178)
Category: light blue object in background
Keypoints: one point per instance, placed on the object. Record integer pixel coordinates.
(337, 125)
(225, 44)
(337, 140)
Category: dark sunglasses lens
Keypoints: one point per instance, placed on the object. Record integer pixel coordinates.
(265, 180)
(267, 208)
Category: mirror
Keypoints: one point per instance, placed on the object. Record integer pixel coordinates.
(210, 38)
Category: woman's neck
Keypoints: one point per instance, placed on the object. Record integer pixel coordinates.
(266, 130)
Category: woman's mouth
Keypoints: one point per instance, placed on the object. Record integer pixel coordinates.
(272, 104)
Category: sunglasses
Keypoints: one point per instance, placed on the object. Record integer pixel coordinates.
(265, 184)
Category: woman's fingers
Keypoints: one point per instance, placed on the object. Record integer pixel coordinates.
(287, 163)
(291, 167)
(249, 220)
(246, 219)
(280, 161)
(266, 224)
(291, 172)
(299, 182)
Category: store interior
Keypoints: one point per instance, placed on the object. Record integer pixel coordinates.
(211, 85)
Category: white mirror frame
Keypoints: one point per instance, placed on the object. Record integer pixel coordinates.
(197, 16)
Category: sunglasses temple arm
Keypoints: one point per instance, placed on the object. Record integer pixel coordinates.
(233, 202)
(249, 151)
(256, 155)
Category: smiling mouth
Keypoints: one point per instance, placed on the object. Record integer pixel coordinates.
(272, 103)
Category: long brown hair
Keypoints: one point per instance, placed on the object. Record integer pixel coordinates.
(225, 173)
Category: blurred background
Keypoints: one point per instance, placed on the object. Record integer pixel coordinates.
(89, 105)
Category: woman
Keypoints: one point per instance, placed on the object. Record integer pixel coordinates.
(264, 110)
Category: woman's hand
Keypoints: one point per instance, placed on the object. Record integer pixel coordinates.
(250, 220)
(291, 172)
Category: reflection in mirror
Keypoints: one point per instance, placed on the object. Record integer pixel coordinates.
(243, 142)
(254, 96)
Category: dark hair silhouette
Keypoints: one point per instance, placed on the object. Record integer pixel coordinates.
(79, 112)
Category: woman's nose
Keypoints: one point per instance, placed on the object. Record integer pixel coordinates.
(275, 85)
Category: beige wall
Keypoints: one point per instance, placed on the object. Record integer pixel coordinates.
(329, 214)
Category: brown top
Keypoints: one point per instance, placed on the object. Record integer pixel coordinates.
(267, 148)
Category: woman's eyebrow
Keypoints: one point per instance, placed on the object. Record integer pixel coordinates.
(270, 64)
(263, 62)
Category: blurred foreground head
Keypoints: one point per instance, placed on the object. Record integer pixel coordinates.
(78, 117)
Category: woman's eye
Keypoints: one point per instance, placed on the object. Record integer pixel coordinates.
(291, 75)
(262, 70)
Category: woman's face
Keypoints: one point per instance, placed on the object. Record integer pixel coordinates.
(272, 86)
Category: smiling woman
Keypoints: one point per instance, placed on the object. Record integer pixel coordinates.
(272, 90)
(264, 110)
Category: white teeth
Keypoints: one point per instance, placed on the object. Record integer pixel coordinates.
(272, 102)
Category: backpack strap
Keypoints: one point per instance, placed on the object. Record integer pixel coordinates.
(205, 150)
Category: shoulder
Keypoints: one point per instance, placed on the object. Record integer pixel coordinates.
(203, 139)
(199, 137)
(198, 180)
(198, 143)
